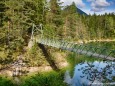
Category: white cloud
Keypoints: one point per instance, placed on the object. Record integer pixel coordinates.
(88, 11)
(98, 5)
(95, 9)
(79, 3)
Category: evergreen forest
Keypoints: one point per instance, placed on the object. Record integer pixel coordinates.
(57, 21)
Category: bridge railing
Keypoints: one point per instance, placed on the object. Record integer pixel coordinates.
(79, 48)
(88, 50)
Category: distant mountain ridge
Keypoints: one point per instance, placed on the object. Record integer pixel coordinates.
(80, 11)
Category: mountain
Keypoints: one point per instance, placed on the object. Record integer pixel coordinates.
(70, 9)
(81, 12)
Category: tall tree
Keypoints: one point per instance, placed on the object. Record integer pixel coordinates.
(54, 18)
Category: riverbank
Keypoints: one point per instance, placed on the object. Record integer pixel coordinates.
(46, 75)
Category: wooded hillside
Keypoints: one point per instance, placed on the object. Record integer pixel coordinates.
(17, 17)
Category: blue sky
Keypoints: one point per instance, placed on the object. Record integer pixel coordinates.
(93, 6)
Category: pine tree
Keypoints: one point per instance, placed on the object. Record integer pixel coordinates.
(54, 18)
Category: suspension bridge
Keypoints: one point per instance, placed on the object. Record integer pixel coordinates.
(73, 47)
(77, 48)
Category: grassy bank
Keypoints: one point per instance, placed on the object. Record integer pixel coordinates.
(54, 78)
(5, 81)
(45, 79)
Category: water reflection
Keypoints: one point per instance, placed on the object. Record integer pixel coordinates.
(92, 74)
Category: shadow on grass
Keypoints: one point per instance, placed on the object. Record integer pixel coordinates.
(48, 57)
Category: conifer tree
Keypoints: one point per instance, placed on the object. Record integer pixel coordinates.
(54, 18)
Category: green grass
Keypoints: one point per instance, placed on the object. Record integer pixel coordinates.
(45, 79)
(5, 81)
(51, 78)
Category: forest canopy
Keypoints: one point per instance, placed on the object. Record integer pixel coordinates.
(17, 17)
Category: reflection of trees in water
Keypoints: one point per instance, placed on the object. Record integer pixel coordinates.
(94, 72)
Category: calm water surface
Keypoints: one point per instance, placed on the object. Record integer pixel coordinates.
(94, 74)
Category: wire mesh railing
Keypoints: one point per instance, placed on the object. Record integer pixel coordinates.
(89, 50)
(93, 51)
